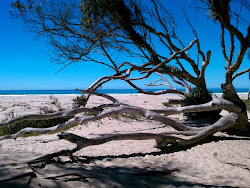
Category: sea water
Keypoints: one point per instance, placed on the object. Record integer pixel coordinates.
(107, 91)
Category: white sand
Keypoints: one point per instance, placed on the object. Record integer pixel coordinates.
(225, 162)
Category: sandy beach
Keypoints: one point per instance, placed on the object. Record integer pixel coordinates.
(221, 162)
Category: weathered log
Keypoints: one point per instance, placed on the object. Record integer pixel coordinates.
(215, 104)
(119, 108)
(65, 113)
(162, 140)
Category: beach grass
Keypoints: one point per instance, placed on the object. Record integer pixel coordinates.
(12, 129)
(131, 116)
(32, 123)
(167, 104)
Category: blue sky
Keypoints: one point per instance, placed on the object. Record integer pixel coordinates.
(25, 63)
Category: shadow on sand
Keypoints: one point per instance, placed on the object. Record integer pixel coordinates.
(78, 174)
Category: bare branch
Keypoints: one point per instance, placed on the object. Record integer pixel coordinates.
(157, 84)
(231, 48)
(221, 125)
(205, 64)
(242, 72)
(54, 129)
(161, 139)
(85, 142)
(215, 104)
(183, 83)
(99, 94)
(174, 55)
(139, 78)
(154, 93)
(239, 59)
(149, 114)
(193, 30)
(165, 79)
(110, 59)
(117, 76)
(65, 113)
(223, 44)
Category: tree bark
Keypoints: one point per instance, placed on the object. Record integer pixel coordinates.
(243, 126)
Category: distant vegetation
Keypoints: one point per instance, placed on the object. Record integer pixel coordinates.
(79, 101)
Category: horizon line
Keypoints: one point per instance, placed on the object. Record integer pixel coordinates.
(104, 89)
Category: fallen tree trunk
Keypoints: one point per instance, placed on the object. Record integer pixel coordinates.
(162, 140)
(182, 135)
(117, 109)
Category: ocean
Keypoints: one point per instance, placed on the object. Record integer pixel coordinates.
(107, 91)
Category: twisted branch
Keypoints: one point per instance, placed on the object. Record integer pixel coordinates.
(118, 109)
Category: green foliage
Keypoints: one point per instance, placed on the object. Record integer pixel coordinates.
(171, 68)
(131, 116)
(79, 101)
(247, 102)
(31, 123)
(219, 10)
(104, 15)
(4, 108)
(34, 123)
(199, 95)
(167, 104)
(56, 102)
(111, 11)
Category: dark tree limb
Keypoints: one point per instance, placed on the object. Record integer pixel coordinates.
(166, 91)
(242, 72)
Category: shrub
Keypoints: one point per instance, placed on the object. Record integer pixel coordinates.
(131, 116)
(34, 123)
(56, 103)
(12, 129)
(197, 96)
(167, 104)
(79, 101)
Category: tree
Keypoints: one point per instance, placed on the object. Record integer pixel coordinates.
(224, 13)
(80, 30)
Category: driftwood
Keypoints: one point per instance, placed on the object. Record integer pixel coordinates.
(117, 109)
(162, 140)
(182, 136)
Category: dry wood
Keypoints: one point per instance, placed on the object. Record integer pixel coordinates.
(118, 109)
(162, 140)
